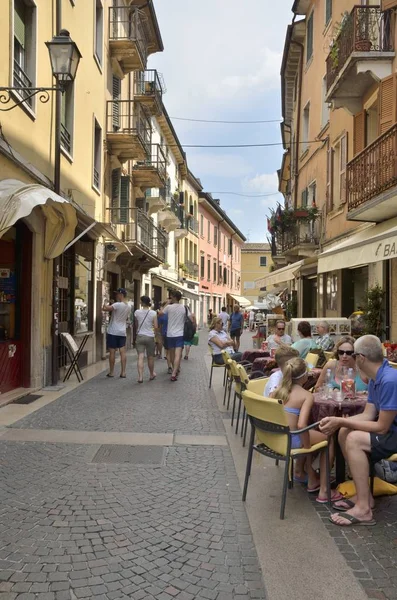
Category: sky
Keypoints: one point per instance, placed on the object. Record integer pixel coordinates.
(221, 61)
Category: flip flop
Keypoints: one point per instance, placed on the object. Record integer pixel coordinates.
(353, 521)
(123, 376)
(108, 375)
(140, 380)
(174, 378)
(151, 378)
(313, 490)
(336, 498)
(348, 505)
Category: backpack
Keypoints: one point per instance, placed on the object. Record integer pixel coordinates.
(189, 328)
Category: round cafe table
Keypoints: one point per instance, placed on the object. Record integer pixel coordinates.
(251, 355)
(323, 407)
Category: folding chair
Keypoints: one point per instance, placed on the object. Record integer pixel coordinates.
(74, 351)
(269, 424)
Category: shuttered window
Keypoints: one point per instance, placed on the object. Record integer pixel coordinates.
(20, 22)
(359, 133)
(304, 196)
(115, 198)
(124, 198)
(342, 169)
(116, 92)
(328, 11)
(387, 103)
(309, 38)
(330, 176)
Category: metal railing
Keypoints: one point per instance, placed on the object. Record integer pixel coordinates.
(193, 224)
(365, 29)
(192, 268)
(21, 80)
(66, 139)
(155, 160)
(178, 210)
(127, 23)
(301, 234)
(374, 170)
(148, 83)
(140, 229)
(129, 117)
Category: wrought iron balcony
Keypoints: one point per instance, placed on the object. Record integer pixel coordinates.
(21, 80)
(361, 54)
(129, 131)
(300, 239)
(372, 180)
(149, 89)
(193, 224)
(128, 39)
(137, 230)
(152, 170)
(192, 268)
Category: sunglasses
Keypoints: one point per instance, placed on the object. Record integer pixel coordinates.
(347, 352)
(280, 329)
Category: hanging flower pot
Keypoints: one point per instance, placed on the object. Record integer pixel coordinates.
(363, 45)
(301, 213)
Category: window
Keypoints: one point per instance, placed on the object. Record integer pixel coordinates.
(98, 41)
(209, 231)
(220, 274)
(67, 110)
(224, 275)
(339, 161)
(215, 271)
(116, 94)
(309, 38)
(305, 132)
(328, 11)
(24, 48)
(96, 176)
(230, 247)
(209, 269)
(202, 266)
(262, 261)
(330, 178)
(215, 235)
(202, 225)
(311, 194)
(83, 292)
(324, 103)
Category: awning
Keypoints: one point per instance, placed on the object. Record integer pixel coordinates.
(176, 285)
(240, 300)
(375, 243)
(280, 276)
(18, 200)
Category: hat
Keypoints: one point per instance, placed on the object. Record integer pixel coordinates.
(121, 291)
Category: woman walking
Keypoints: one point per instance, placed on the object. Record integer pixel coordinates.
(145, 325)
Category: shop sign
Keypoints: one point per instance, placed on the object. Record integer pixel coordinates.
(387, 249)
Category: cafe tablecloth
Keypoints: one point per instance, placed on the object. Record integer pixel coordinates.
(330, 408)
(251, 355)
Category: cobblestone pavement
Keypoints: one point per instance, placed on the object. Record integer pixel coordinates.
(72, 528)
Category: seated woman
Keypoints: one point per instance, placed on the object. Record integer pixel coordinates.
(343, 360)
(298, 405)
(306, 343)
(219, 340)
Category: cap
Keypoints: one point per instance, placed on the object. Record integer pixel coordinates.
(121, 291)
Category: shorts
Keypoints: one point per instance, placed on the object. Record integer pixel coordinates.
(175, 342)
(115, 341)
(188, 343)
(235, 333)
(145, 342)
(296, 442)
(165, 344)
(383, 446)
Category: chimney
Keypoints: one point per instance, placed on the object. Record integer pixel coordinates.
(217, 201)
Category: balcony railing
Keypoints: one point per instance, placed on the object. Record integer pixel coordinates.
(21, 80)
(140, 230)
(66, 139)
(192, 268)
(126, 23)
(148, 83)
(374, 170)
(193, 224)
(129, 117)
(365, 29)
(301, 235)
(155, 160)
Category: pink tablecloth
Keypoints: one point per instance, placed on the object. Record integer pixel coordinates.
(251, 355)
(330, 408)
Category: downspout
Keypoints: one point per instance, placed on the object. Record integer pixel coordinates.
(298, 126)
(219, 239)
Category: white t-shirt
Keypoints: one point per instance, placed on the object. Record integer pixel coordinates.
(252, 315)
(118, 319)
(274, 381)
(225, 317)
(176, 319)
(145, 320)
(222, 335)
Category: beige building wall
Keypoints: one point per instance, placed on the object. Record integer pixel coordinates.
(253, 257)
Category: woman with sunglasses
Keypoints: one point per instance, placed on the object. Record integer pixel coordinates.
(344, 359)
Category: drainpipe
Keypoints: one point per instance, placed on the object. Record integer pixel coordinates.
(298, 126)
(219, 239)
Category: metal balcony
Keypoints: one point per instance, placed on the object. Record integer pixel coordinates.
(156, 197)
(149, 89)
(128, 39)
(128, 129)
(193, 225)
(372, 180)
(360, 56)
(151, 171)
(192, 269)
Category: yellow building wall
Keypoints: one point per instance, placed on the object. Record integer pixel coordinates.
(251, 271)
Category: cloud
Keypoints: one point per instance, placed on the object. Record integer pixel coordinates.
(262, 183)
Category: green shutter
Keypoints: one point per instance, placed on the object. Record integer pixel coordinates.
(116, 91)
(328, 11)
(309, 40)
(115, 198)
(63, 109)
(124, 198)
(304, 197)
(19, 22)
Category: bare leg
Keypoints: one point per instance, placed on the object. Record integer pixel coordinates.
(123, 359)
(171, 357)
(315, 438)
(177, 361)
(187, 350)
(141, 365)
(159, 349)
(150, 364)
(112, 360)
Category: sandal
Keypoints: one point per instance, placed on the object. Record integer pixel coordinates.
(348, 504)
(336, 498)
(151, 378)
(173, 378)
(140, 380)
(109, 375)
(352, 521)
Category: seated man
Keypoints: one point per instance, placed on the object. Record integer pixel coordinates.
(279, 338)
(324, 340)
(370, 436)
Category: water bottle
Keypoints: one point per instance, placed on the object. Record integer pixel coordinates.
(328, 385)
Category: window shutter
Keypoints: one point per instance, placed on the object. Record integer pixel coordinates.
(124, 198)
(330, 177)
(358, 132)
(19, 22)
(342, 172)
(388, 4)
(116, 92)
(115, 199)
(304, 195)
(387, 103)
(328, 10)
(309, 40)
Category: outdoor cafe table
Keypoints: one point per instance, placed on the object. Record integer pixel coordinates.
(251, 355)
(331, 408)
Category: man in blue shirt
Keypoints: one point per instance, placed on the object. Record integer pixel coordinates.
(370, 436)
(236, 326)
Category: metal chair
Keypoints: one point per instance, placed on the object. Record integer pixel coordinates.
(269, 423)
(244, 379)
(216, 366)
(312, 359)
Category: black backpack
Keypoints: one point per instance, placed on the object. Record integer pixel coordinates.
(189, 328)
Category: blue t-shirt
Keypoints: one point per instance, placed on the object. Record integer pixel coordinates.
(162, 321)
(236, 321)
(383, 391)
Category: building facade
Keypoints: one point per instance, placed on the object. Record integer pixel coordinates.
(220, 247)
(256, 262)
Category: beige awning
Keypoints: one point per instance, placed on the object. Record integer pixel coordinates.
(280, 276)
(375, 243)
(240, 300)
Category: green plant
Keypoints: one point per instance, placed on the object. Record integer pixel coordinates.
(334, 54)
(291, 306)
(372, 306)
(337, 30)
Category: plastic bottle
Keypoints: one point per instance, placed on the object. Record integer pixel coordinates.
(328, 384)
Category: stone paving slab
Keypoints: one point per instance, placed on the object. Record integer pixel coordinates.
(87, 437)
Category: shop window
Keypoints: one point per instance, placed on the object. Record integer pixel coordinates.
(24, 41)
(83, 274)
(332, 292)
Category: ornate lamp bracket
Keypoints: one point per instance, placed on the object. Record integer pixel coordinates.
(42, 92)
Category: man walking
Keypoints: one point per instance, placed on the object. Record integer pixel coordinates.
(251, 320)
(176, 314)
(236, 326)
(116, 336)
(225, 318)
(368, 437)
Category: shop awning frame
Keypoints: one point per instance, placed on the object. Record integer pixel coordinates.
(283, 275)
(240, 299)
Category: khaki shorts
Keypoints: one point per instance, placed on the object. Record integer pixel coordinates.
(145, 342)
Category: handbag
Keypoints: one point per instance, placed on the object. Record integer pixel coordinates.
(195, 339)
(189, 328)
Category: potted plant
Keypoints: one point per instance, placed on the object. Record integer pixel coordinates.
(165, 265)
(373, 310)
